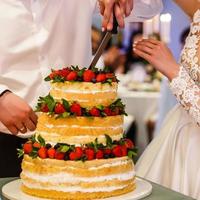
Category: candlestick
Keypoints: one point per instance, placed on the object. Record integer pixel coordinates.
(165, 20)
(156, 24)
(147, 28)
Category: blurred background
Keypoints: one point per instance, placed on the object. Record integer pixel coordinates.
(145, 92)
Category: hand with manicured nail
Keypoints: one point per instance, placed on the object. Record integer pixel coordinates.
(121, 8)
(159, 55)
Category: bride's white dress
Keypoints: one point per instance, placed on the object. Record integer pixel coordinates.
(173, 158)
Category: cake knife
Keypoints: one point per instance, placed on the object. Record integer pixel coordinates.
(104, 42)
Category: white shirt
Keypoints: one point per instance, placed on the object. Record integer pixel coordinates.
(37, 35)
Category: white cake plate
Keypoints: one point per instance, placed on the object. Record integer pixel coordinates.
(12, 191)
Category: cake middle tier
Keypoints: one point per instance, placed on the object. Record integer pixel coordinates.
(79, 130)
(86, 93)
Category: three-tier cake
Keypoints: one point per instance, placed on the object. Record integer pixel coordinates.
(79, 150)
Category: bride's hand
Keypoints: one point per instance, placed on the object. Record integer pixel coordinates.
(159, 55)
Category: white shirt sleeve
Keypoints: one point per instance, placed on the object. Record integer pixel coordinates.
(144, 9)
(3, 88)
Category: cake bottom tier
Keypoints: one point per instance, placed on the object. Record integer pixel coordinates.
(77, 180)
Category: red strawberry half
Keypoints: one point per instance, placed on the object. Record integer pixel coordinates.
(117, 151)
(44, 108)
(42, 153)
(76, 109)
(72, 76)
(37, 145)
(99, 154)
(27, 148)
(59, 155)
(101, 78)
(108, 111)
(95, 112)
(51, 153)
(90, 154)
(88, 75)
(129, 144)
(59, 108)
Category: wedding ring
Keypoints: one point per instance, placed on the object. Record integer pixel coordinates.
(22, 129)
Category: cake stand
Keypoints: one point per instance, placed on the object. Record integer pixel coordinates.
(12, 191)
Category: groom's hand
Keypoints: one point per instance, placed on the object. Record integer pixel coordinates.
(121, 8)
(16, 114)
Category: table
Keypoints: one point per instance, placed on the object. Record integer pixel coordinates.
(141, 105)
(159, 192)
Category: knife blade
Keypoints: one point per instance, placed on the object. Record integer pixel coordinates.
(104, 43)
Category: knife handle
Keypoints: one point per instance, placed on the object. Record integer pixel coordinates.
(115, 25)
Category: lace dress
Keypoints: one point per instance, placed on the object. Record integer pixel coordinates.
(173, 158)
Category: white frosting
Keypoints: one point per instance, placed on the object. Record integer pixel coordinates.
(82, 91)
(73, 188)
(70, 178)
(82, 127)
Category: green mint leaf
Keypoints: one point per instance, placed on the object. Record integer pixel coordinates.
(20, 152)
(80, 72)
(107, 69)
(63, 148)
(66, 104)
(65, 114)
(100, 107)
(47, 78)
(33, 154)
(108, 140)
(41, 140)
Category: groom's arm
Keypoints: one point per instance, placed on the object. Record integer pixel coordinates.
(144, 9)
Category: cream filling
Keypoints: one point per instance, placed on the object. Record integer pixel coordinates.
(74, 139)
(82, 127)
(80, 100)
(63, 177)
(74, 188)
(83, 91)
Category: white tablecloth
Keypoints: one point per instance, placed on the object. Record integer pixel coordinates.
(141, 105)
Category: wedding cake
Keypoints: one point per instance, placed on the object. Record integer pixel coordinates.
(79, 150)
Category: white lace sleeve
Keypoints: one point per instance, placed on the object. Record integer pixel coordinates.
(187, 93)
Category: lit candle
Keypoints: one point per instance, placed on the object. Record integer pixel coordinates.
(165, 20)
(147, 28)
(156, 24)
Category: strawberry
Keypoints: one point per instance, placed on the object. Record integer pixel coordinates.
(72, 76)
(124, 150)
(27, 148)
(42, 153)
(76, 109)
(59, 155)
(115, 112)
(44, 108)
(59, 108)
(107, 111)
(37, 145)
(117, 151)
(109, 75)
(95, 112)
(54, 74)
(101, 78)
(88, 75)
(64, 72)
(90, 154)
(79, 152)
(107, 151)
(73, 156)
(99, 154)
(51, 153)
(129, 144)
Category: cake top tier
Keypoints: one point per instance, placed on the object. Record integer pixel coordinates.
(78, 74)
